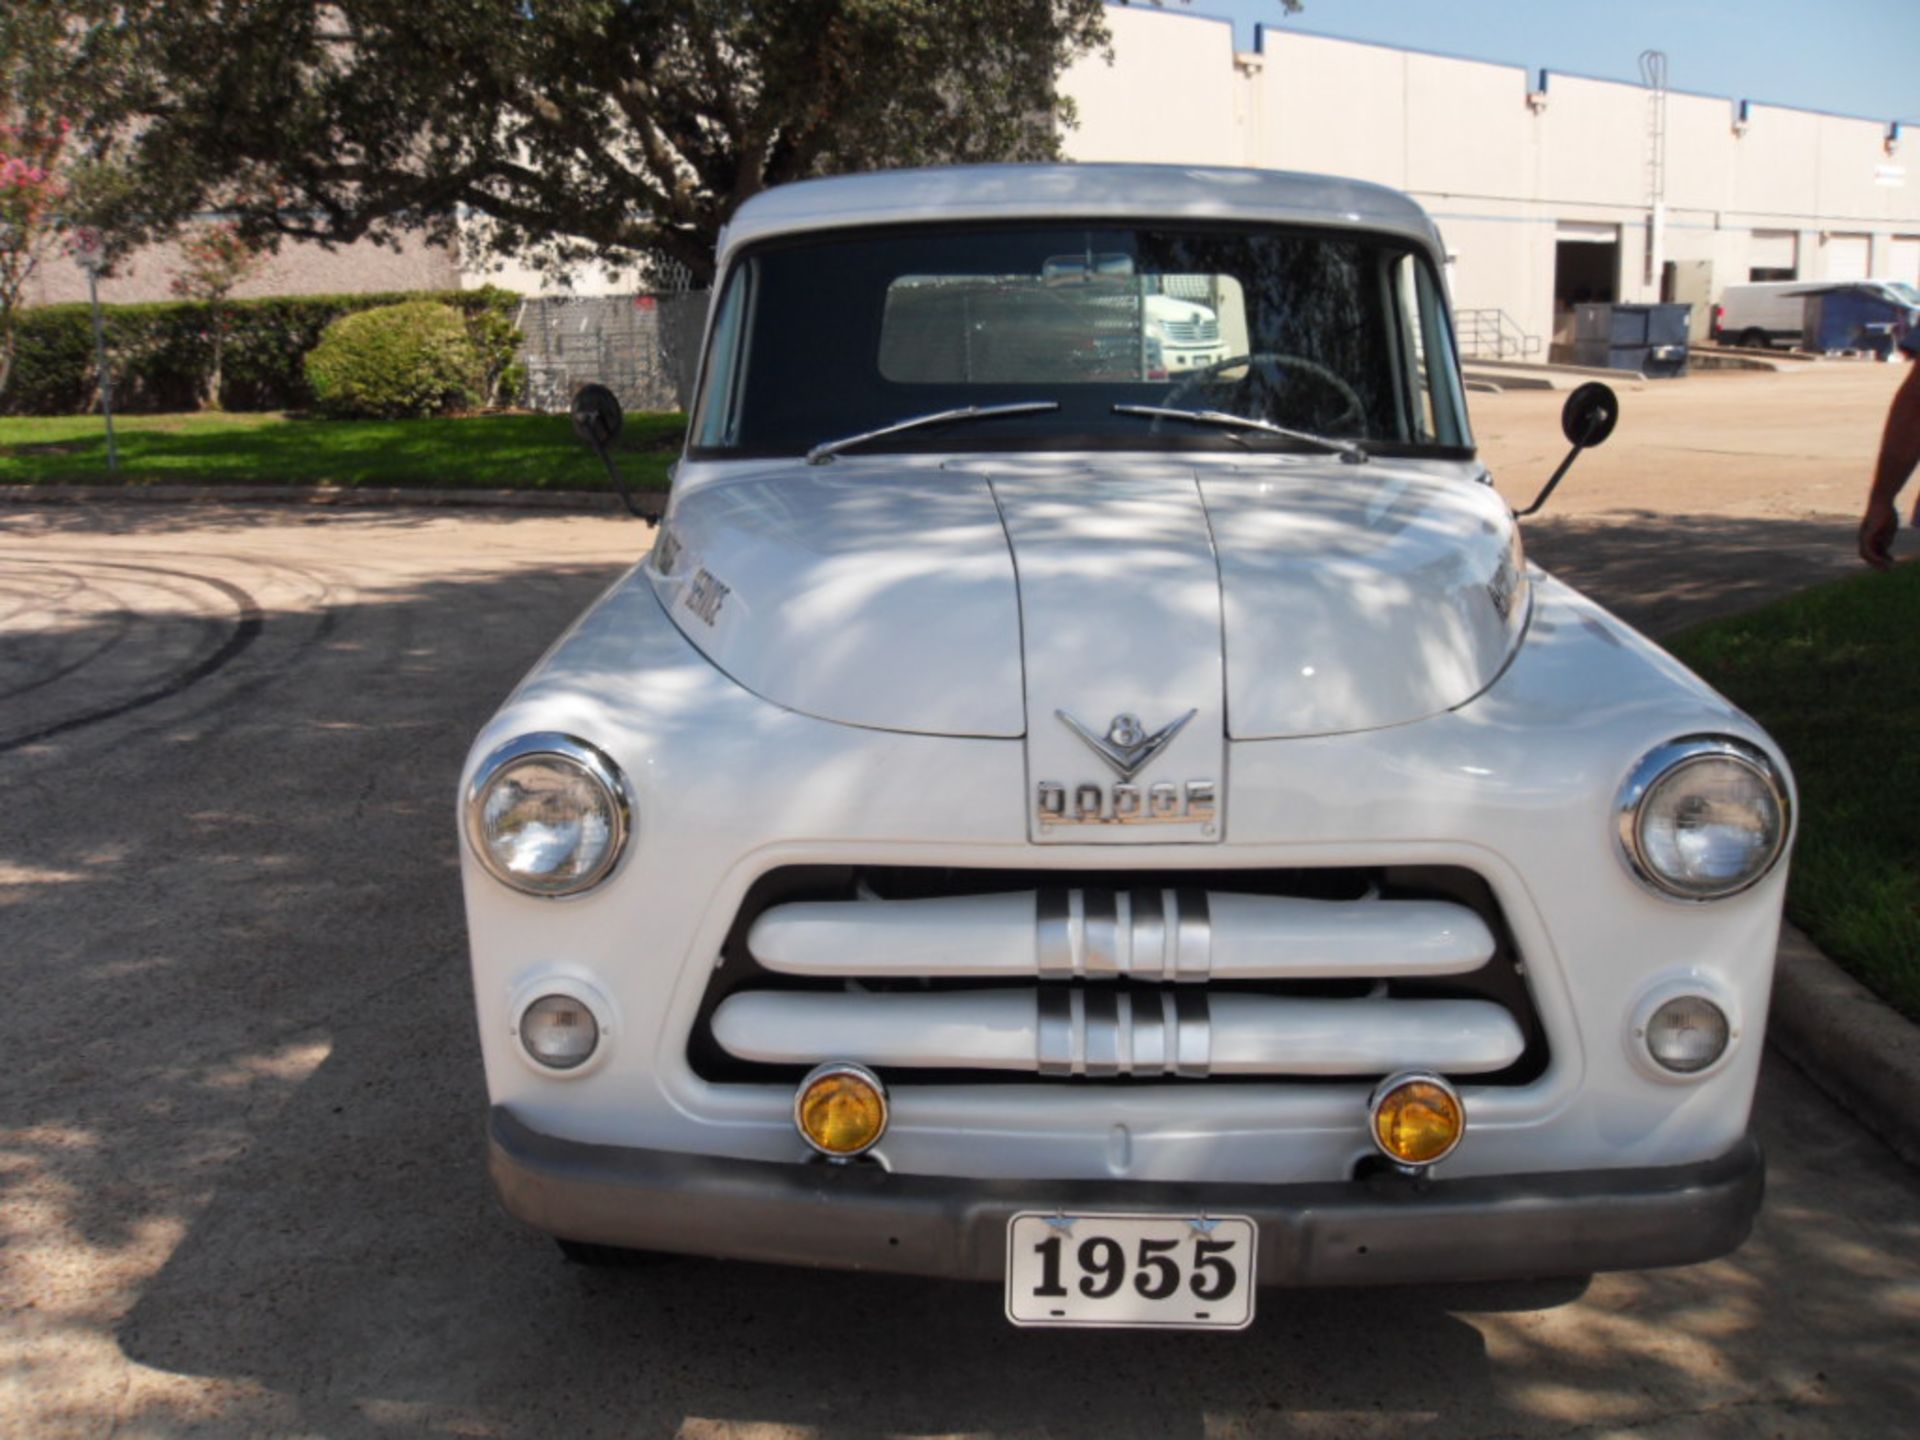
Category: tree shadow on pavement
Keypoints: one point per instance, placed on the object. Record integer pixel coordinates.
(1662, 573)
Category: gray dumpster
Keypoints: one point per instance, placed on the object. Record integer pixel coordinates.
(1649, 338)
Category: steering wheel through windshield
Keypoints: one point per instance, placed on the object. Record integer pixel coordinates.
(1272, 365)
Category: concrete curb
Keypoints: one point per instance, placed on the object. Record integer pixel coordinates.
(1555, 367)
(651, 502)
(1860, 1051)
(1498, 381)
(1726, 360)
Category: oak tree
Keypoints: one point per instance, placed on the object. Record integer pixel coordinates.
(608, 129)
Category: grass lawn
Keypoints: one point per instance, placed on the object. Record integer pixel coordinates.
(528, 452)
(1834, 675)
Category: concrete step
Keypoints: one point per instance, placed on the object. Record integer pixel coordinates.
(1510, 375)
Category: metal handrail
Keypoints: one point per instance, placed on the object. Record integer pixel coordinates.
(1492, 334)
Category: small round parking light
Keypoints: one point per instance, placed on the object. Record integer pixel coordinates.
(1687, 1034)
(559, 1032)
(1416, 1119)
(841, 1110)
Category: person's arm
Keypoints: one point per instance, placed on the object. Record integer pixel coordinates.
(1899, 453)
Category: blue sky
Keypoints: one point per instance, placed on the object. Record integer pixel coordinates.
(1852, 57)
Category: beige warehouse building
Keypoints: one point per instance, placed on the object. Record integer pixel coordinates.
(1544, 186)
(1549, 189)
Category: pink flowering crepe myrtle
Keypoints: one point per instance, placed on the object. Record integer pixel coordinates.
(215, 259)
(31, 191)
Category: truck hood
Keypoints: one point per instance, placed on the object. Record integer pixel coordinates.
(1281, 597)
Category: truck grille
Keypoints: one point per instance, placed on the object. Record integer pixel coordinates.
(1191, 332)
(955, 975)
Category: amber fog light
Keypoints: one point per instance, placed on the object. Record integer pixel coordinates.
(1416, 1119)
(559, 1031)
(1687, 1034)
(841, 1110)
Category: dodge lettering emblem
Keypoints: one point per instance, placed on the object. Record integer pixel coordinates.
(1126, 804)
(1128, 749)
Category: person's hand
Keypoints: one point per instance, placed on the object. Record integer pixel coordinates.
(1876, 534)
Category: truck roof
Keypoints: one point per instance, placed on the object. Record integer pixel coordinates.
(1129, 192)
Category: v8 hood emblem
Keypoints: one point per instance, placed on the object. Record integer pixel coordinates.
(1127, 746)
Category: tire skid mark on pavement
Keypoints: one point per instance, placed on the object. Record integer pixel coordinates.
(122, 626)
(37, 598)
(305, 600)
(246, 630)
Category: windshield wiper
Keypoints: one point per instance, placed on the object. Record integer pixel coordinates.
(1346, 449)
(827, 449)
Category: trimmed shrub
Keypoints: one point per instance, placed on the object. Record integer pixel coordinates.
(162, 353)
(395, 362)
(53, 364)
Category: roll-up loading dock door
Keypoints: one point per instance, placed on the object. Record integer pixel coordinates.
(1586, 268)
(1773, 255)
(1845, 257)
(1903, 259)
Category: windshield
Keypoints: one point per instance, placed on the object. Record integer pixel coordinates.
(1336, 333)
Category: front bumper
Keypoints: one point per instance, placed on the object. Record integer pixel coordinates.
(1388, 1230)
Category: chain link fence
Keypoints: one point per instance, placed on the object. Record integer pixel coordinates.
(642, 347)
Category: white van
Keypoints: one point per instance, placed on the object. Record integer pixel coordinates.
(1773, 312)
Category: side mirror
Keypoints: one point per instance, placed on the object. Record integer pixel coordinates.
(596, 420)
(1589, 415)
(1586, 420)
(596, 416)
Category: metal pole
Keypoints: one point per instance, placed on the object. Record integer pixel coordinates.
(106, 375)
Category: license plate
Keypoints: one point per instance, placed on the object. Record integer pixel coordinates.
(1172, 1272)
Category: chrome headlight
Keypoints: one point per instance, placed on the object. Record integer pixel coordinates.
(548, 815)
(1703, 817)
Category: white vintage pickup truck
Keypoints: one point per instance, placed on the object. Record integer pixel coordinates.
(1130, 836)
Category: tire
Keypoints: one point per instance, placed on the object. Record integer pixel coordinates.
(1754, 338)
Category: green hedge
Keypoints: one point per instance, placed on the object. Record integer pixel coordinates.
(161, 353)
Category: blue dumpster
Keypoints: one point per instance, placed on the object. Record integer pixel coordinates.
(1866, 318)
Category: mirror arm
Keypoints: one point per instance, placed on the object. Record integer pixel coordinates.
(1552, 481)
(596, 420)
(613, 473)
(1586, 421)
